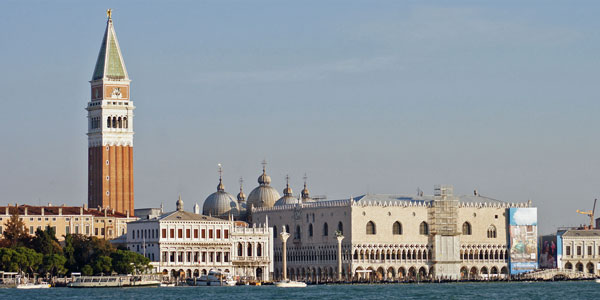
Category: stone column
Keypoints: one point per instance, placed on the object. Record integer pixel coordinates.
(339, 237)
(284, 236)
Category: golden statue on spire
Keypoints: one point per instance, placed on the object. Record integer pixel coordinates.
(109, 13)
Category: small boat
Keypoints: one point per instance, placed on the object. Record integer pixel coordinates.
(29, 286)
(597, 280)
(167, 284)
(213, 278)
(290, 283)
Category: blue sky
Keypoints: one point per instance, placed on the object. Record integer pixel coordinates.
(363, 96)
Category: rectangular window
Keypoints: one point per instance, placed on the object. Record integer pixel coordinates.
(568, 250)
(0, 229)
(76, 229)
(203, 233)
(579, 250)
(164, 233)
(210, 233)
(195, 233)
(218, 233)
(180, 233)
(67, 229)
(590, 250)
(172, 233)
(101, 231)
(30, 229)
(96, 231)
(226, 235)
(87, 229)
(226, 257)
(187, 233)
(203, 256)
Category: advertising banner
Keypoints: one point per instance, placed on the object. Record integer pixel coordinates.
(547, 256)
(523, 240)
(559, 247)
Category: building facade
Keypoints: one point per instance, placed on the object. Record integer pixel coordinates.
(392, 237)
(579, 249)
(105, 224)
(110, 130)
(185, 244)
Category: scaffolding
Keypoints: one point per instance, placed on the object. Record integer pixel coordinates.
(443, 214)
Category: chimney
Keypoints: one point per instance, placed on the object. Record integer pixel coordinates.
(7, 209)
(60, 211)
(25, 212)
(85, 206)
(105, 211)
(42, 210)
(49, 204)
(81, 211)
(127, 211)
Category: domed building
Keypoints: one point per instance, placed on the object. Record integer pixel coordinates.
(264, 195)
(305, 194)
(287, 198)
(241, 197)
(220, 204)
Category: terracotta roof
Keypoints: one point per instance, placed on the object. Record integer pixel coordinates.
(53, 211)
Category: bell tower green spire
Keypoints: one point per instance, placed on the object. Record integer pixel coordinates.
(110, 65)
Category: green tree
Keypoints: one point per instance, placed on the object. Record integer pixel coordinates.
(27, 259)
(45, 241)
(7, 260)
(128, 262)
(103, 264)
(87, 270)
(53, 264)
(15, 232)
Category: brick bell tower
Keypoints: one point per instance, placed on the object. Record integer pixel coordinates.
(110, 129)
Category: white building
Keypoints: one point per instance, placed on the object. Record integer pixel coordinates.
(391, 237)
(580, 250)
(185, 244)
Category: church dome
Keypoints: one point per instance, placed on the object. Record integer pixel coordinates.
(220, 203)
(287, 198)
(264, 195)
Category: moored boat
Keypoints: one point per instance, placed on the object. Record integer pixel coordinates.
(213, 278)
(112, 281)
(29, 286)
(290, 283)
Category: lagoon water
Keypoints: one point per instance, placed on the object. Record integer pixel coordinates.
(495, 290)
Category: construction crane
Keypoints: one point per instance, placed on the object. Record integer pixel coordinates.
(590, 214)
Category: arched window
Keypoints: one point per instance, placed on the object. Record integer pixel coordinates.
(240, 249)
(325, 229)
(126, 124)
(397, 228)
(297, 233)
(114, 122)
(274, 232)
(340, 227)
(491, 232)
(120, 121)
(310, 229)
(287, 228)
(249, 249)
(466, 230)
(258, 250)
(371, 228)
(424, 228)
(108, 122)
